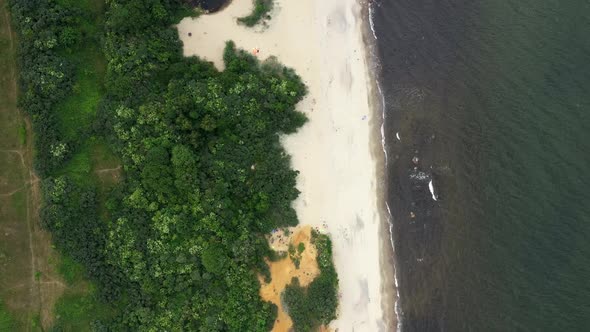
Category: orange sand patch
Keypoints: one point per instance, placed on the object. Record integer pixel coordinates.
(284, 270)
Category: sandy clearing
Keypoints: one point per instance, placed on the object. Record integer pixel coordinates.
(284, 270)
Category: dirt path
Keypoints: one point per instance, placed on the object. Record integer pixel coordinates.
(108, 170)
(30, 284)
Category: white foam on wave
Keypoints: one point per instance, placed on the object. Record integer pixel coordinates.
(382, 120)
(397, 306)
(419, 175)
(371, 20)
(431, 187)
(383, 141)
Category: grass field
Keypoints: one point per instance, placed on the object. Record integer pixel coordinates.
(6, 322)
(30, 284)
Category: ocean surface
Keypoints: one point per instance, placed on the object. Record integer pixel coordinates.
(488, 182)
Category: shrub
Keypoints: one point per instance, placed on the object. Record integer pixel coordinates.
(259, 13)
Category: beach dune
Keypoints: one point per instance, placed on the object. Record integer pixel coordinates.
(335, 151)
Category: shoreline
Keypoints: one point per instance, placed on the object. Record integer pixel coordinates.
(391, 298)
(338, 155)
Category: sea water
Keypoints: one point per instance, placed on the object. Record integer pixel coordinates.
(487, 135)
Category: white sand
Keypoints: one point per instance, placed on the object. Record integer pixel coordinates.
(322, 41)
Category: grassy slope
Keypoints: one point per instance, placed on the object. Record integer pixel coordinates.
(77, 112)
(93, 164)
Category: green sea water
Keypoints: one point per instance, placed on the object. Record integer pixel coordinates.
(495, 97)
(535, 120)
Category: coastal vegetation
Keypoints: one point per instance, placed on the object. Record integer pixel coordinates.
(172, 237)
(314, 305)
(206, 177)
(260, 13)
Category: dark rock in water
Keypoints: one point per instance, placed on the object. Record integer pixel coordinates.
(210, 6)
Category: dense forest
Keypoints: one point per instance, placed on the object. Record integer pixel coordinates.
(179, 242)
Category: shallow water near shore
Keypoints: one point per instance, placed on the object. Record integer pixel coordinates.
(490, 221)
(210, 6)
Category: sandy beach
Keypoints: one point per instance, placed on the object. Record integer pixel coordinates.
(337, 152)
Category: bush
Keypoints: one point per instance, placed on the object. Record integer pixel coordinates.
(259, 13)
